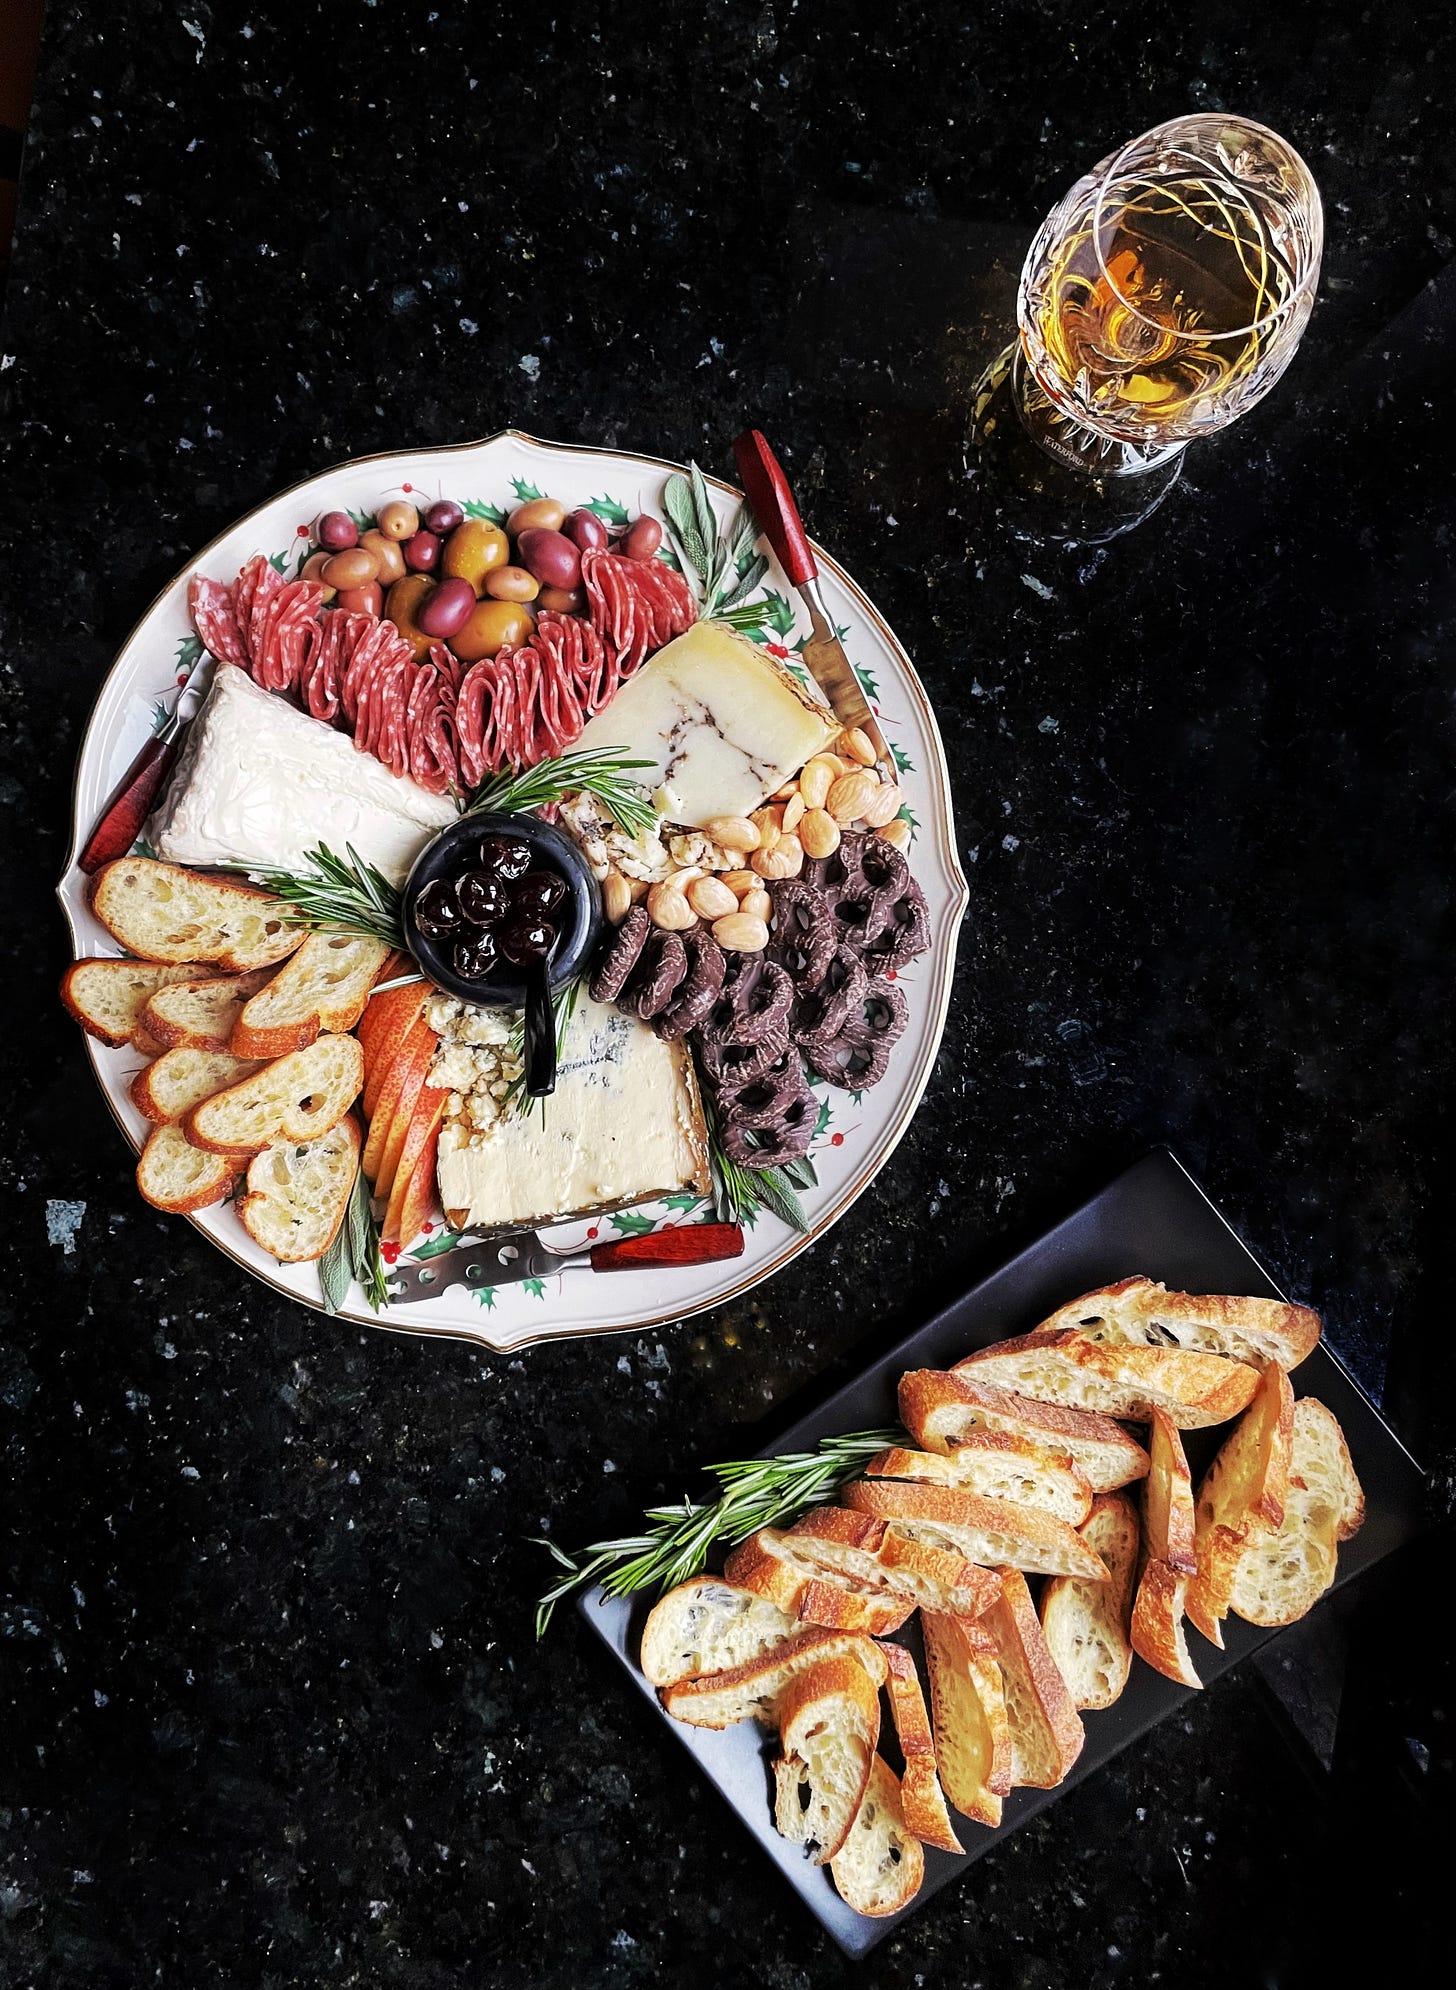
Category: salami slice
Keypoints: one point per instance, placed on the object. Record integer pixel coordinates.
(210, 604)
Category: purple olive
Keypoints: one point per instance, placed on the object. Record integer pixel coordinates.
(538, 892)
(584, 529)
(526, 938)
(337, 531)
(422, 552)
(476, 957)
(437, 911)
(550, 556)
(484, 897)
(443, 517)
(507, 856)
(642, 539)
(446, 609)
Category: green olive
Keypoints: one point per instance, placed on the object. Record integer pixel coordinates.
(356, 568)
(397, 519)
(492, 626)
(313, 569)
(387, 552)
(473, 550)
(512, 584)
(403, 603)
(544, 513)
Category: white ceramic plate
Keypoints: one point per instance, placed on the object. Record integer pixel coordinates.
(856, 1134)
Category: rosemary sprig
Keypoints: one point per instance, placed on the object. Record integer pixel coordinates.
(354, 1255)
(727, 566)
(344, 894)
(739, 1192)
(599, 771)
(754, 1493)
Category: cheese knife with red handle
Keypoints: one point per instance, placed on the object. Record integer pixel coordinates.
(823, 654)
(122, 818)
(508, 1260)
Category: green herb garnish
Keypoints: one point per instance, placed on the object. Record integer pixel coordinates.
(342, 894)
(739, 1192)
(726, 564)
(354, 1255)
(601, 771)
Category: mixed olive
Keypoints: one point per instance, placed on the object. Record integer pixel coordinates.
(497, 907)
(476, 586)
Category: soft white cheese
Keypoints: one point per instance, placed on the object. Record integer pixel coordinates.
(260, 782)
(720, 721)
(624, 1125)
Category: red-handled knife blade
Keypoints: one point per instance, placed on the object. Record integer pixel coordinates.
(508, 1260)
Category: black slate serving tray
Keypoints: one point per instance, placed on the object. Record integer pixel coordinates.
(1153, 1219)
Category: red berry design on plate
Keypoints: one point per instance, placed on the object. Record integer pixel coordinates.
(390, 1253)
(836, 1139)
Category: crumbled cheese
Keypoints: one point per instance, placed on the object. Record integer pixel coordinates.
(474, 1064)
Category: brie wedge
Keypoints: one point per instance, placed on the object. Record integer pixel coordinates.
(625, 1124)
(260, 782)
(721, 723)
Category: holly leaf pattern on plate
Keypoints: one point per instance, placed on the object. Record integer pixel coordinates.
(477, 508)
(524, 492)
(632, 1225)
(608, 510)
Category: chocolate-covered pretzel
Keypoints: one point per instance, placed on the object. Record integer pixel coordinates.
(699, 989)
(754, 1001)
(661, 968)
(902, 931)
(803, 939)
(728, 1062)
(620, 956)
(822, 1008)
(770, 1119)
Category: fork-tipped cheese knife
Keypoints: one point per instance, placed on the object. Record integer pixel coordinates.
(123, 816)
(508, 1260)
(823, 654)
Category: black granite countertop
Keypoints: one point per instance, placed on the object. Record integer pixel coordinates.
(272, 1709)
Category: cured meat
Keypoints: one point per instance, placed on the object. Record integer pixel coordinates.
(636, 605)
(211, 607)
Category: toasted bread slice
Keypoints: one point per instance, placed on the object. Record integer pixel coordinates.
(942, 1408)
(1241, 1497)
(1068, 1368)
(178, 1080)
(752, 1691)
(920, 1792)
(1257, 1331)
(1156, 1630)
(178, 1177)
(1046, 1733)
(834, 1546)
(144, 1043)
(297, 1195)
(988, 1531)
(829, 1721)
(881, 1867)
(298, 1097)
(200, 1014)
(162, 912)
(1168, 1526)
(998, 1466)
(972, 1734)
(1086, 1623)
(324, 987)
(709, 1625)
(798, 1589)
(106, 995)
(1282, 1574)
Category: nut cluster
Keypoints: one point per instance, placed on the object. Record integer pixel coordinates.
(719, 875)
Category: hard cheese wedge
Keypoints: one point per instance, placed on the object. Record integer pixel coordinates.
(259, 782)
(721, 722)
(624, 1124)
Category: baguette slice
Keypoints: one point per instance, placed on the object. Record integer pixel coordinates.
(1257, 1331)
(1168, 1525)
(106, 995)
(972, 1734)
(709, 1625)
(299, 1097)
(752, 1691)
(834, 1546)
(829, 1720)
(178, 1080)
(800, 1593)
(998, 1466)
(1086, 1623)
(297, 1195)
(1046, 1733)
(882, 1865)
(162, 912)
(1282, 1574)
(200, 1014)
(988, 1531)
(1068, 1368)
(1241, 1497)
(324, 987)
(178, 1177)
(1157, 1630)
(941, 1409)
(920, 1791)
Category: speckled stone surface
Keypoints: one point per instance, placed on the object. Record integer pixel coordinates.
(272, 1710)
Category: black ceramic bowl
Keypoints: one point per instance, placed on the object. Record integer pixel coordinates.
(578, 919)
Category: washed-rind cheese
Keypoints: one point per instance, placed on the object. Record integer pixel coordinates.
(259, 782)
(625, 1124)
(721, 722)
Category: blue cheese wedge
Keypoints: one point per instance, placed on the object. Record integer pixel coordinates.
(260, 782)
(625, 1124)
(721, 723)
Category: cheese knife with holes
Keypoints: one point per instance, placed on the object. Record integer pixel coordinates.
(508, 1260)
